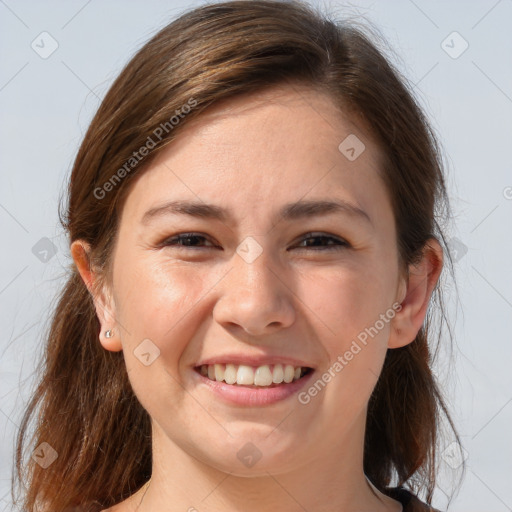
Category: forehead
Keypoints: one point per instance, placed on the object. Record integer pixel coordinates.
(285, 113)
(277, 145)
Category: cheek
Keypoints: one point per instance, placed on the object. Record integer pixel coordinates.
(161, 304)
(348, 308)
(346, 301)
(156, 302)
(354, 310)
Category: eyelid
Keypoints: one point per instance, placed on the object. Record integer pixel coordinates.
(186, 234)
(341, 242)
(321, 234)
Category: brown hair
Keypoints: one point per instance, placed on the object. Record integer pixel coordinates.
(87, 411)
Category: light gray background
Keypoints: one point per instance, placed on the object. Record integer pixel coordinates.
(46, 105)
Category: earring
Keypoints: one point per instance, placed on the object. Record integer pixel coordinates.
(108, 334)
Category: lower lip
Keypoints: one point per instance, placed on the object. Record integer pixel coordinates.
(253, 396)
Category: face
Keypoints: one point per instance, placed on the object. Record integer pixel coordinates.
(260, 273)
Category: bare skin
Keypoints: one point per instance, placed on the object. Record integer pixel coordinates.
(253, 155)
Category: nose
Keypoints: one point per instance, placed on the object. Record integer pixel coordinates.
(255, 297)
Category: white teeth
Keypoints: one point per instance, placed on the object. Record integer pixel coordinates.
(289, 372)
(245, 375)
(264, 375)
(278, 374)
(230, 374)
(219, 372)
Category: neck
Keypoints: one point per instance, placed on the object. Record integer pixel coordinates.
(330, 482)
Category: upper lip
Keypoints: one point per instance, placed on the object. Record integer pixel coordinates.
(253, 360)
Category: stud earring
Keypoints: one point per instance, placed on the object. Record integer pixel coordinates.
(109, 334)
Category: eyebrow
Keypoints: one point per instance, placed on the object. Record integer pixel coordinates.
(290, 211)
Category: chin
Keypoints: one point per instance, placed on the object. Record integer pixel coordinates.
(255, 455)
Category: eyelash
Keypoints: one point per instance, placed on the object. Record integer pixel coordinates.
(340, 242)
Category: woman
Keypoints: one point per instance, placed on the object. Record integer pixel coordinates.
(253, 220)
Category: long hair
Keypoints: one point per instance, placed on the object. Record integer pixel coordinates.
(87, 412)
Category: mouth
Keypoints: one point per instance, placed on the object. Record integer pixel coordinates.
(264, 376)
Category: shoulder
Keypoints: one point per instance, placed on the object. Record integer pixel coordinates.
(125, 506)
(410, 502)
(87, 507)
(114, 508)
(94, 506)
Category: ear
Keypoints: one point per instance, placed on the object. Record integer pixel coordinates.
(103, 300)
(419, 286)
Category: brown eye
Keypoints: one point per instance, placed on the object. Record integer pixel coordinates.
(319, 241)
(186, 240)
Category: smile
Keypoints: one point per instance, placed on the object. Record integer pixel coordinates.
(260, 376)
